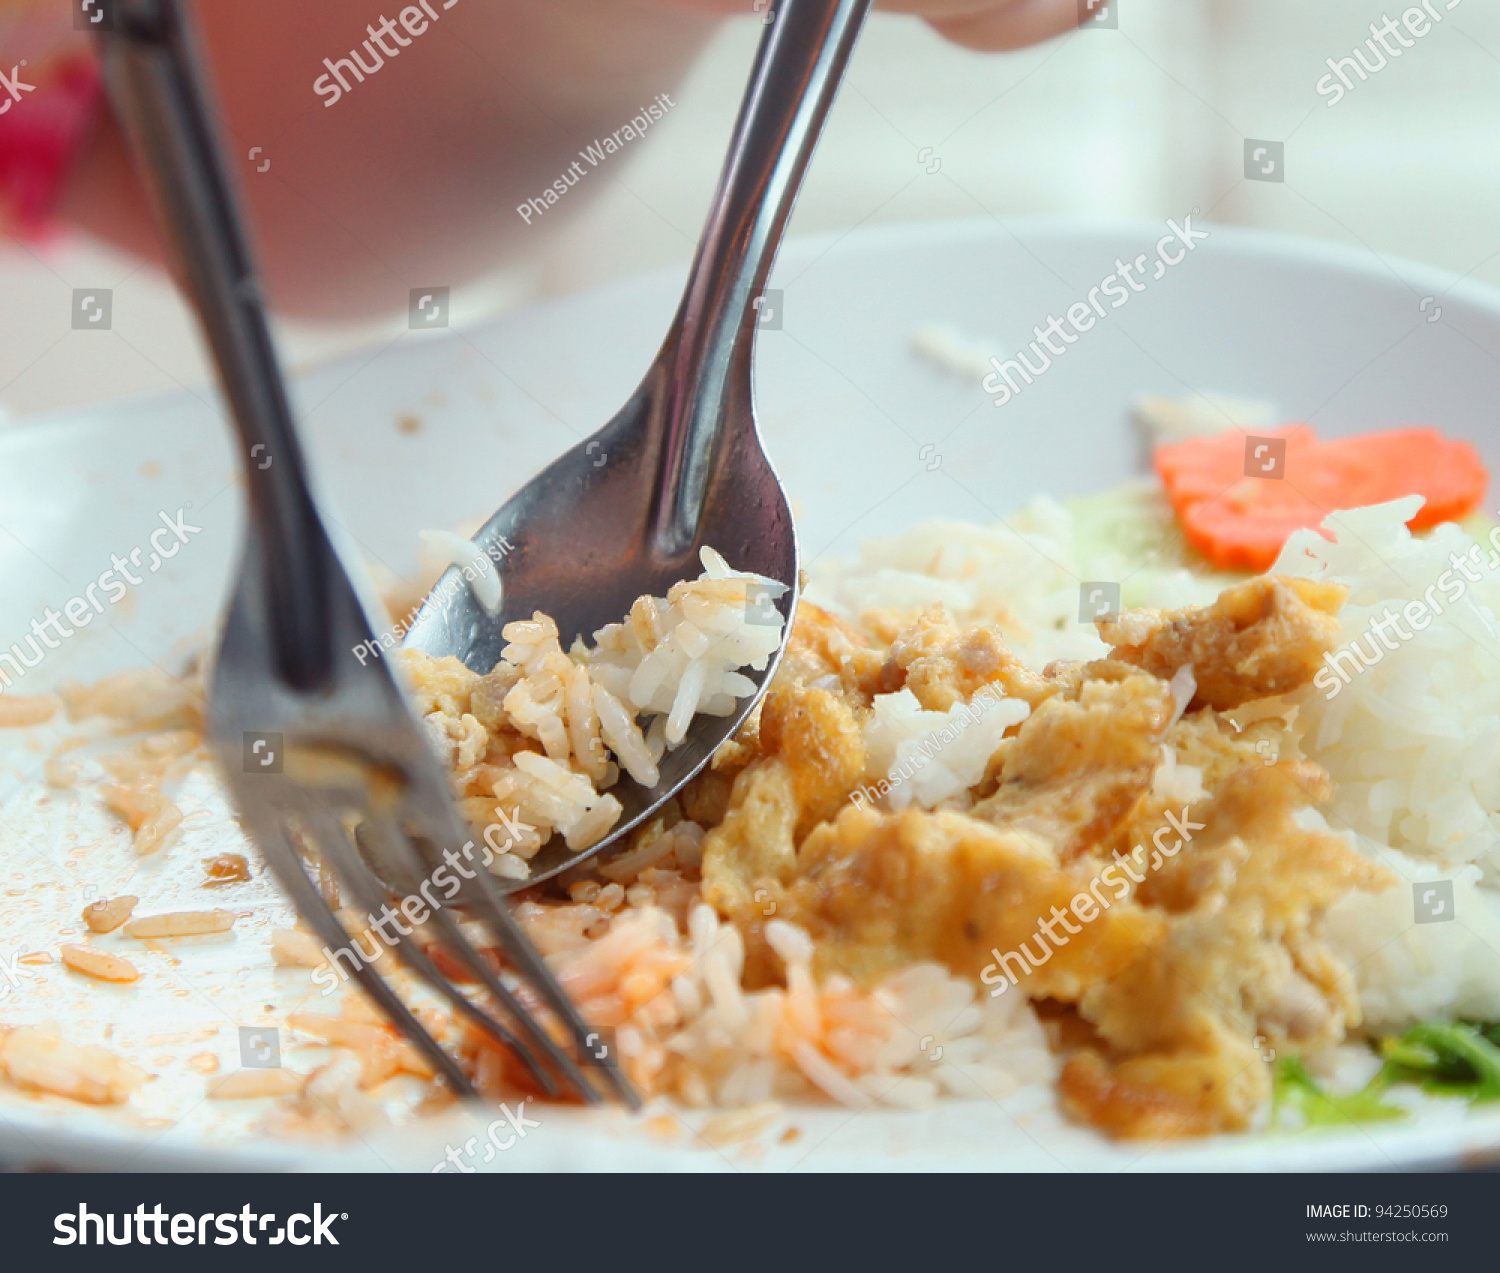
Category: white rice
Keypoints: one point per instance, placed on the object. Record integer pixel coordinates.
(1409, 972)
(918, 1034)
(678, 655)
(1167, 420)
(913, 755)
(1024, 574)
(1412, 742)
(453, 549)
(953, 351)
(629, 700)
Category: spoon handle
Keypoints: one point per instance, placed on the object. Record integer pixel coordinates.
(797, 71)
(151, 68)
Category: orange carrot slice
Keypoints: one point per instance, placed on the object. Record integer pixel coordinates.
(1242, 523)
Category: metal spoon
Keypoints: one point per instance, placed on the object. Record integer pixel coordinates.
(624, 513)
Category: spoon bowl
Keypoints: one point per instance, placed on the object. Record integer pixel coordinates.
(586, 570)
(681, 466)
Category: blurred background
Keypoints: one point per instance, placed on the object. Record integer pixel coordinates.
(1146, 119)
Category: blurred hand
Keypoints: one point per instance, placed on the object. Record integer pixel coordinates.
(989, 25)
(412, 177)
(994, 25)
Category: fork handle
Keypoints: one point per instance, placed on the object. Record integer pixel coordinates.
(151, 70)
(796, 74)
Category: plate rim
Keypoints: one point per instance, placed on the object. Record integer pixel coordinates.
(43, 1136)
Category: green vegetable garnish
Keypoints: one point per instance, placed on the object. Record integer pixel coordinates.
(1460, 1059)
(1294, 1087)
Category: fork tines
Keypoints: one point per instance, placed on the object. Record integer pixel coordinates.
(377, 856)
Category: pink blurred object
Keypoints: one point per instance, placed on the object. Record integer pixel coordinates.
(46, 115)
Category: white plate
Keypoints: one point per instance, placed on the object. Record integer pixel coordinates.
(854, 421)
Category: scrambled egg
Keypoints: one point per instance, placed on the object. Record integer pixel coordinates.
(1143, 869)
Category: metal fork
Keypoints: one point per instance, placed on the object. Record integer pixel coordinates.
(343, 767)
